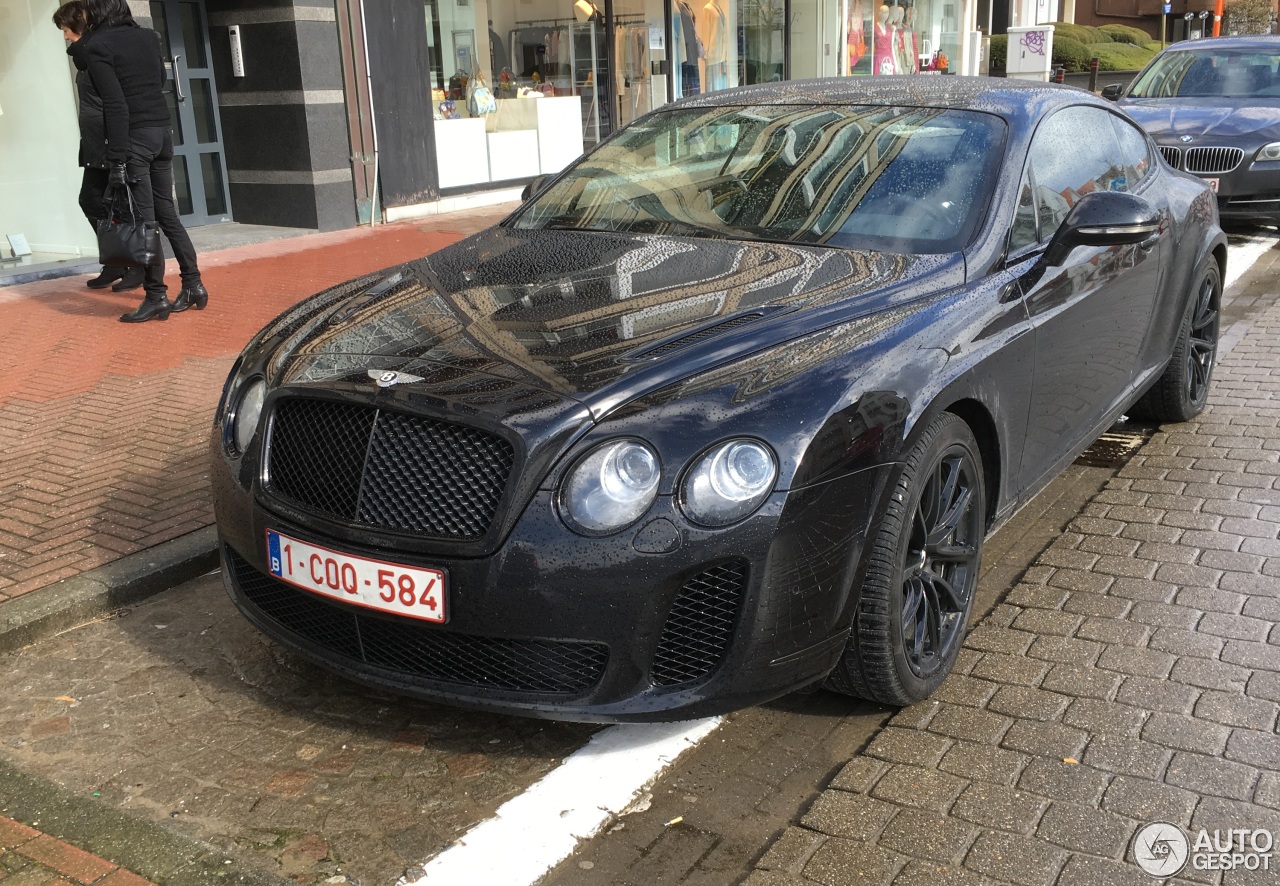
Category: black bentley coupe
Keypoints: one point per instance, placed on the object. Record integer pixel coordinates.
(1213, 107)
(724, 409)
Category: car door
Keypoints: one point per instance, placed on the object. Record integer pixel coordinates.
(1090, 315)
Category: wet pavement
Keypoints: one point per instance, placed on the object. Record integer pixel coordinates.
(1137, 638)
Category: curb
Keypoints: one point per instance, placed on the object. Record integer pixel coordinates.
(73, 601)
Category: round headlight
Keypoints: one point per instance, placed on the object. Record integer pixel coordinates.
(611, 488)
(1270, 152)
(248, 411)
(729, 482)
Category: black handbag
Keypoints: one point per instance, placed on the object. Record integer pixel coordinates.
(127, 241)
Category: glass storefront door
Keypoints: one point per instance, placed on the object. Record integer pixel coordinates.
(199, 162)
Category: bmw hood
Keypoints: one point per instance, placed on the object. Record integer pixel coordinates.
(581, 321)
(1206, 120)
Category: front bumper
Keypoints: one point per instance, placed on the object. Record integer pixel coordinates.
(1248, 192)
(660, 622)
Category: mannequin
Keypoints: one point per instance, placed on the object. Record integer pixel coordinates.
(855, 35)
(713, 33)
(882, 44)
(905, 51)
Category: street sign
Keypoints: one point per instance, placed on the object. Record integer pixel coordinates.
(1168, 8)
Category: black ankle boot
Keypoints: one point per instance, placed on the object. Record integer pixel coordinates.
(110, 274)
(152, 307)
(191, 296)
(131, 279)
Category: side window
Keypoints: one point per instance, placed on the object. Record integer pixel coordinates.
(1135, 153)
(1075, 152)
(1024, 222)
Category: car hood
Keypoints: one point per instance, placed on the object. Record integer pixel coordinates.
(563, 319)
(1206, 118)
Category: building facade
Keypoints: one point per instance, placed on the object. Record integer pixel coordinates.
(326, 114)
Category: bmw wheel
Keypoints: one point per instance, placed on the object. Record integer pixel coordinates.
(922, 572)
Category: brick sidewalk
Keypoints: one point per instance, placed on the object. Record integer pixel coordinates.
(107, 423)
(1132, 676)
(33, 857)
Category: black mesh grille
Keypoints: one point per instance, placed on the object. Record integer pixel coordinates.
(700, 625)
(422, 650)
(385, 469)
(695, 337)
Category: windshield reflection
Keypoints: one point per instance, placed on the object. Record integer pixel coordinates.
(1206, 73)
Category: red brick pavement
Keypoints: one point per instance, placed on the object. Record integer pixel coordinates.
(29, 856)
(105, 424)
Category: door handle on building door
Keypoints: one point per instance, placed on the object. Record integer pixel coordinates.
(177, 81)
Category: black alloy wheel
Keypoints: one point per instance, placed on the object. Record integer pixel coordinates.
(1182, 390)
(922, 572)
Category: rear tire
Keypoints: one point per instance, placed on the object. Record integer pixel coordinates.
(922, 572)
(1182, 390)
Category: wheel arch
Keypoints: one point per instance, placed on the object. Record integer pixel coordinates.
(983, 427)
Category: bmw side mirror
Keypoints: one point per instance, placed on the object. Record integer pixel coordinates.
(1104, 218)
(534, 186)
(1112, 91)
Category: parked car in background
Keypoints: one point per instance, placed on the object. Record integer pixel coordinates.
(1213, 107)
(726, 408)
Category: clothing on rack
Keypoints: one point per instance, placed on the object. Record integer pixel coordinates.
(713, 33)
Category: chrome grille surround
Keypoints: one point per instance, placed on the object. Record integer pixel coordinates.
(1213, 161)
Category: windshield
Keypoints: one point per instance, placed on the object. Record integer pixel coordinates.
(892, 179)
(1210, 72)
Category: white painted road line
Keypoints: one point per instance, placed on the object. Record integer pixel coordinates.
(535, 831)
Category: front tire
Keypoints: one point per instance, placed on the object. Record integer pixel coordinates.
(922, 572)
(1181, 391)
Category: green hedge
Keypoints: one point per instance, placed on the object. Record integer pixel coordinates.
(1069, 54)
(1116, 48)
(1120, 56)
(999, 52)
(1080, 33)
(1126, 34)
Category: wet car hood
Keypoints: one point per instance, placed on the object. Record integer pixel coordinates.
(1207, 118)
(592, 319)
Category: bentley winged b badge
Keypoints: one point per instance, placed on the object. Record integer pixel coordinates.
(388, 377)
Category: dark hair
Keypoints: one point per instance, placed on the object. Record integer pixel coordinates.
(71, 15)
(108, 13)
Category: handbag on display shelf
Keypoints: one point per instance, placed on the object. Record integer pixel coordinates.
(128, 241)
(481, 100)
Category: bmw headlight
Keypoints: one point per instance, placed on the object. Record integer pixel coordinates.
(611, 488)
(729, 482)
(1270, 152)
(247, 411)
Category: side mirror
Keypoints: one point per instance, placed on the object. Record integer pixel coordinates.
(534, 186)
(1103, 218)
(1112, 91)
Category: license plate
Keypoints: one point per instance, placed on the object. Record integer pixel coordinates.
(1212, 183)
(389, 587)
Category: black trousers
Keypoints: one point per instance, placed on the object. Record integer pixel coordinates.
(92, 186)
(150, 165)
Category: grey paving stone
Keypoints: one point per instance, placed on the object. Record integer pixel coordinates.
(1142, 589)
(1268, 790)
(916, 715)
(927, 835)
(1064, 557)
(1082, 682)
(840, 861)
(1250, 527)
(1109, 545)
(1096, 715)
(1058, 780)
(1264, 685)
(1239, 583)
(1080, 580)
(1068, 650)
(1127, 567)
(1185, 733)
(965, 690)
(859, 774)
(1083, 829)
(992, 639)
(982, 762)
(929, 873)
(1036, 596)
(999, 806)
(1180, 642)
(1028, 703)
(1197, 539)
(790, 851)
(1260, 749)
(1114, 631)
(1209, 674)
(1127, 756)
(1234, 627)
(972, 724)
(1041, 622)
(1188, 520)
(1084, 870)
(1263, 607)
(1147, 801)
(1230, 561)
(1236, 709)
(1211, 776)
(1102, 525)
(1138, 662)
(1165, 615)
(1219, 813)
(908, 746)
(841, 814)
(1152, 533)
(1015, 859)
(1255, 656)
(1010, 669)
(1097, 605)
(918, 788)
(1188, 576)
(1045, 739)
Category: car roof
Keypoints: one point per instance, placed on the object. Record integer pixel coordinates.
(1007, 98)
(1261, 41)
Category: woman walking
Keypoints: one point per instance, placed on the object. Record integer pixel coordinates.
(124, 62)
